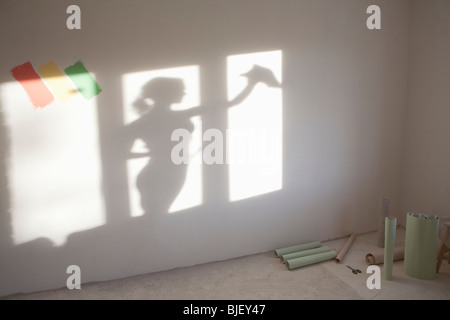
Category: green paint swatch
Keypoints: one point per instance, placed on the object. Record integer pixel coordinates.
(83, 80)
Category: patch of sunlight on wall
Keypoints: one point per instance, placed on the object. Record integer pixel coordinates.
(54, 169)
(254, 137)
(191, 193)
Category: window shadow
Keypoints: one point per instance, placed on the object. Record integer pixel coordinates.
(41, 265)
(5, 203)
(162, 178)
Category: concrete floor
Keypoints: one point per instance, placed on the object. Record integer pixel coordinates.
(264, 277)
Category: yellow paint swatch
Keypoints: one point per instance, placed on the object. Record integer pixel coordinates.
(57, 81)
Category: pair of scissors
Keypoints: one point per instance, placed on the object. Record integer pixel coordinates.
(355, 271)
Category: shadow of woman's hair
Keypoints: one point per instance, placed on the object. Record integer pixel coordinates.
(161, 90)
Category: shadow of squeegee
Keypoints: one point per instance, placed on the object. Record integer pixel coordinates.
(264, 75)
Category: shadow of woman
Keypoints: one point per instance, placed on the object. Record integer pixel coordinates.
(160, 181)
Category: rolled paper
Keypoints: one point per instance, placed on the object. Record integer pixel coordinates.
(296, 248)
(383, 212)
(312, 259)
(378, 256)
(389, 245)
(303, 253)
(421, 242)
(344, 249)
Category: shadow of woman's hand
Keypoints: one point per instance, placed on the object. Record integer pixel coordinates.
(263, 75)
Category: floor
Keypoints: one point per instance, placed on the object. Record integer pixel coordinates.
(263, 277)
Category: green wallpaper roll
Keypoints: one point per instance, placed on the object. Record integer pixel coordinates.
(421, 246)
(303, 253)
(300, 247)
(312, 259)
(390, 228)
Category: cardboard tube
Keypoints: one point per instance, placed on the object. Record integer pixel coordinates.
(303, 253)
(389, 245)
(300, 247)
(344, 249)
(312, 259)
(421, 242)
(377, 257)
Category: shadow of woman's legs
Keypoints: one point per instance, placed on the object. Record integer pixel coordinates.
(158, 189)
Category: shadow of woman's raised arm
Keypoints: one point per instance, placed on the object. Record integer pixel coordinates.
(256, 75)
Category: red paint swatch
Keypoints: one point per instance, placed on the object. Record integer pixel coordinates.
(38, 92)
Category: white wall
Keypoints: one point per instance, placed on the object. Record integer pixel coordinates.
(344, 103)
(426, 181)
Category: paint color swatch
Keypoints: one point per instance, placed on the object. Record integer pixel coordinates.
(57, 81)
(53, 82)
(83, 80)
(32, 83)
